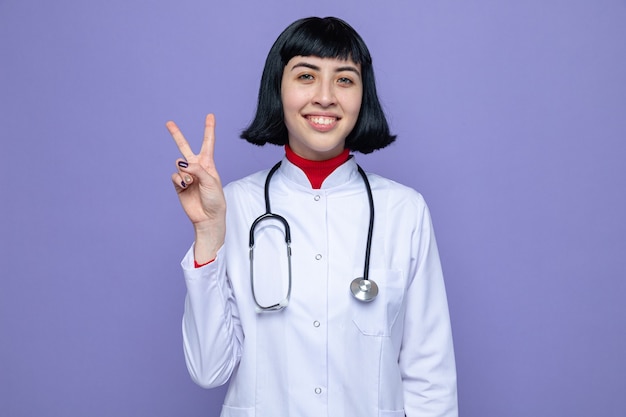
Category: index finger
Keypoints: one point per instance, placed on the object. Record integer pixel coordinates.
(181, 142)
(208, 143)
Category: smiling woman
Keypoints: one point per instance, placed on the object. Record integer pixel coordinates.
(285, 330)
(319, 38)
(321, 102)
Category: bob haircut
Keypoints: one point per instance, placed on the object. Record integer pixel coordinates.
(327, 37)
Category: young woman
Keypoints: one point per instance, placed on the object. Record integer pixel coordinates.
(315, 288)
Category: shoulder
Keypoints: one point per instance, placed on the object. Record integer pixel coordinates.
(398, 203)
(245, 198)
(403, 208)
(395, 193)
(246, 185)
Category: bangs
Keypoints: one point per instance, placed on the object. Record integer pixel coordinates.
(325, 38)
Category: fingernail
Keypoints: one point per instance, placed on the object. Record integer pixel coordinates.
(183, 164)
(182, 184)
(187, 179)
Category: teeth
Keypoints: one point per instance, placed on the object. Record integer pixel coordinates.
(322, 120)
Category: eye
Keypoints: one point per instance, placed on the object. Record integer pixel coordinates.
(306, 77)
(345, 81)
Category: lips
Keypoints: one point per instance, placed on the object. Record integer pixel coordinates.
(322, 123)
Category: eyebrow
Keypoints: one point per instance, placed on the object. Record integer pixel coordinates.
(316, 68)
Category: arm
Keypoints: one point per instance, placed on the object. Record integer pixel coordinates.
(211, 331)
(427, 357)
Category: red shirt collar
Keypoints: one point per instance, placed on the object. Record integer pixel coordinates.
(316, 171)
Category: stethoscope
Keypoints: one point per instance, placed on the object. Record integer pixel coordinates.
(363, 289)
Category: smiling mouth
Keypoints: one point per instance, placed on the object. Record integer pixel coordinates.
(319, 120)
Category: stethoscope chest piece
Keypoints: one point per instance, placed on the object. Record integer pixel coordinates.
(364, 289)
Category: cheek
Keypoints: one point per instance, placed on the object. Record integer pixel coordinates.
(352, 104)
(290, 110)
(291, 101)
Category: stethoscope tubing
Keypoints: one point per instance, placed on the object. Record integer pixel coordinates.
(267, 216)
(370, 230)
(359, 294)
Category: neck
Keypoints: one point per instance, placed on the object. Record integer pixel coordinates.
(316, 171)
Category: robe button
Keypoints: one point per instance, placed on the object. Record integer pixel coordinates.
(318, 390)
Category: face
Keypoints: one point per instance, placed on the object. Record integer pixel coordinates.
(321, 103)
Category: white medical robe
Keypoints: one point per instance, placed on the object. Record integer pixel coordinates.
(326, 354)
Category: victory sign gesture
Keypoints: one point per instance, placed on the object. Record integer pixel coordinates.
(199, 189)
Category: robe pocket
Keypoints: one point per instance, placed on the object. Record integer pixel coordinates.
(376, 317)
(229, 411)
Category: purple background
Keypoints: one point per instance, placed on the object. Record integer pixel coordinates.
(511, 119)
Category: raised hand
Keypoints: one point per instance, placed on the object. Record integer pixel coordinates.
(199, 189)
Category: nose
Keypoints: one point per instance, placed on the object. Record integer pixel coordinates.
(325, 94)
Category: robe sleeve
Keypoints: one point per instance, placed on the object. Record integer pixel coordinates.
(212, 332)
(426, 358)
